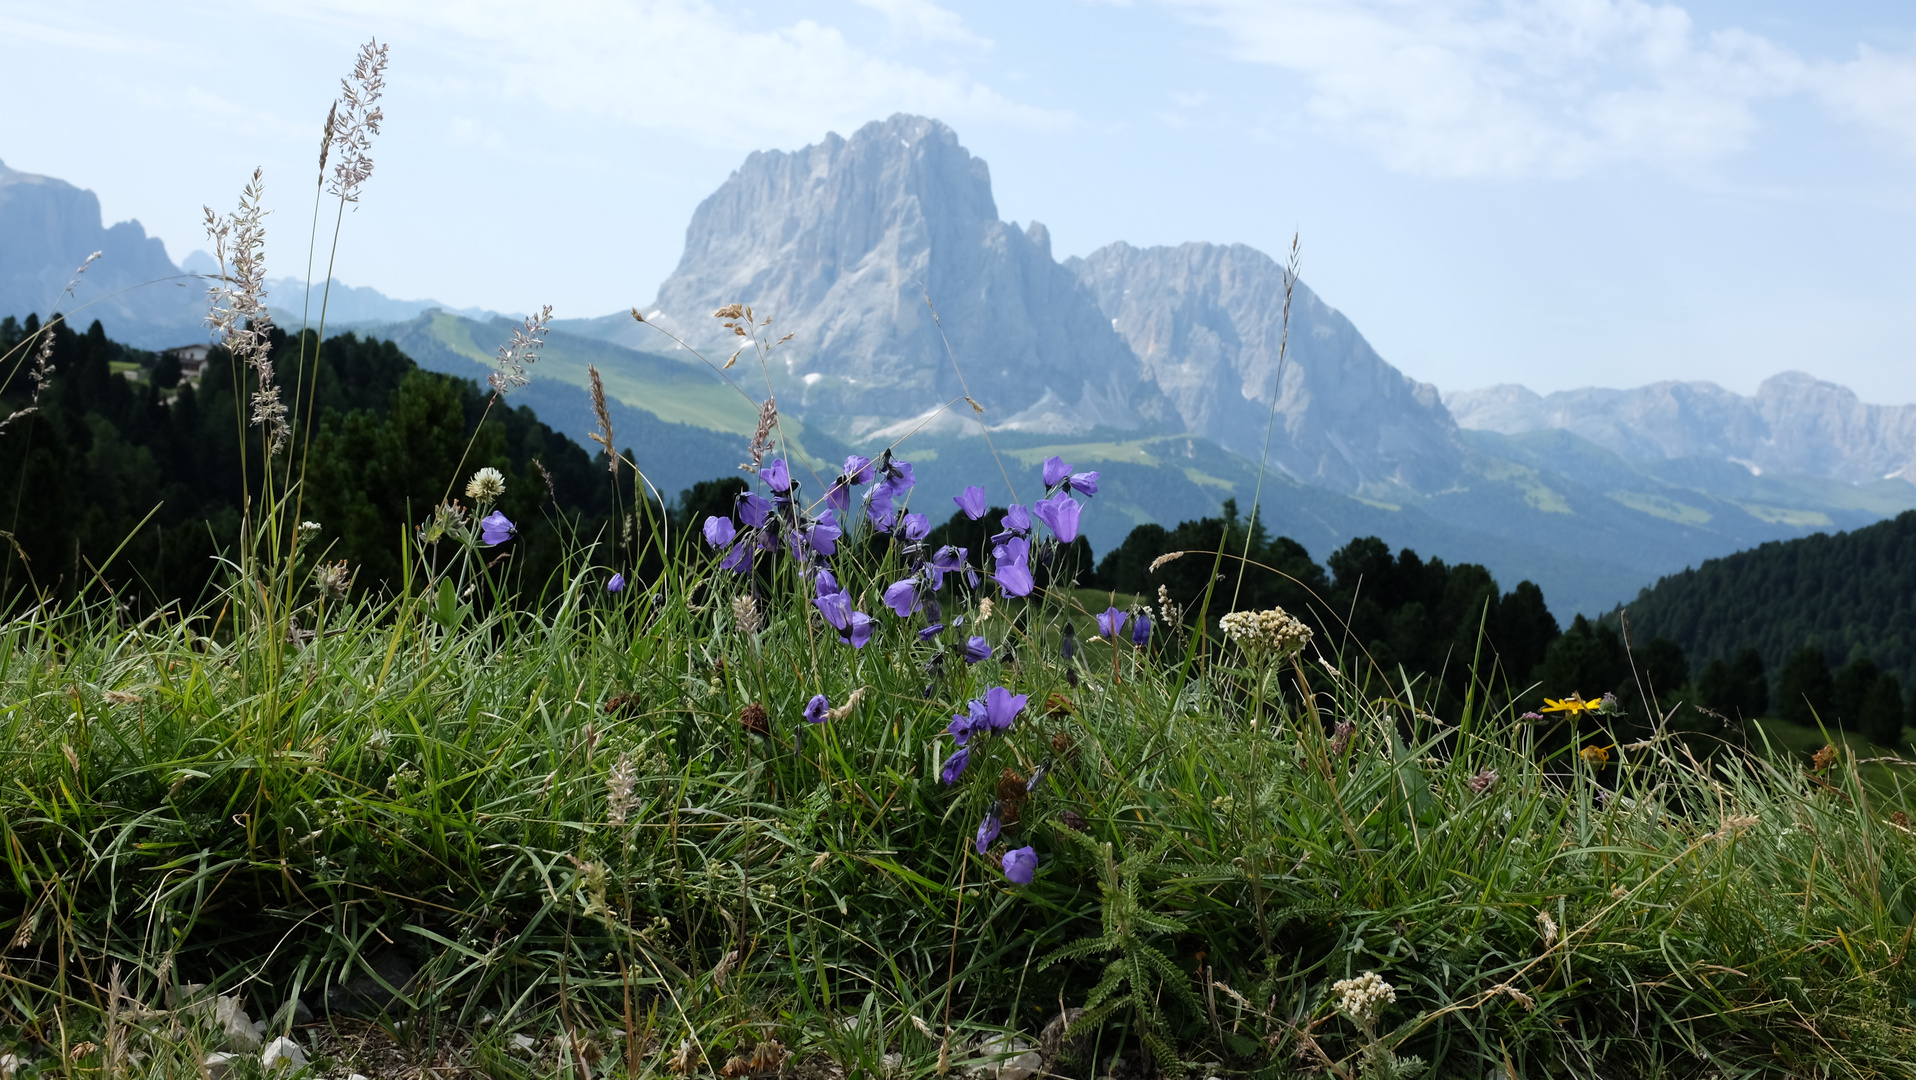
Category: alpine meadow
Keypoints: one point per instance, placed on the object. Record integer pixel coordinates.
(356, 723)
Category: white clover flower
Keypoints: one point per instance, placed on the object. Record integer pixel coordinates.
(486, 485)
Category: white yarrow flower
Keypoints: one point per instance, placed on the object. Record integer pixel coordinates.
(486, 485)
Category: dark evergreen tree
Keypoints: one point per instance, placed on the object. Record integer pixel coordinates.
(1853, 682)
(1805, 692)
(1882, 712)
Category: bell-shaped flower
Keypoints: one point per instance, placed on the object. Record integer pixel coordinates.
(1017, 522)
(990, 827)
(753, 509)
(777, 476)
(495, 529)
(1110, 623)
(916, 527)
(1002, 707)
(859, 632)
(1086, 482)
(898, 481)
(971, 501)
(836, 606)
(719, 531)
(1060, 514)
(1011, 568)
(880, 514)
(976, 649)
(1068, 642)
(823, 534)
(902, 596)
(839, 498)
(1141, 630)
(946, 560)
(1055, 470)
(931, 631)
(816, 709)
(1021, 865)
(617, 584)
(858, 471)
(954, 766)
(739, 559)
(960, 728)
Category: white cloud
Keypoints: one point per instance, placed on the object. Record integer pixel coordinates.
(1875, 91)
(687, 68)
(927, 21)
(1523, 87)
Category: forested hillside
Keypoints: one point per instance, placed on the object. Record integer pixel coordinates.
(104, 453)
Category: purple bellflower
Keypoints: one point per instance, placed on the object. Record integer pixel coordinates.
(961, 727)
(739, 559)
(1110, 623)
(898, 482)
(753, 509)
(880, 514)
(990, 827)
(495, 529)
(859, 632)
(1141, 630)
(971, 501)
(777, 476)
(902, 597)
(816, 709)
(1086, 482)
(954, 766)
(1060, 514)
(617, 584)
(1017, 522)
(1055, 471)
(824, 533)
(916, 527)
(976, 649)
(931, 631)
(858, 471)
(1002, 707)
(946, 560)
(719, 531)
(1011, 567)
(1020, 864)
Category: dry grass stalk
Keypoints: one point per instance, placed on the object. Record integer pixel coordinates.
(42, 370)
(603, 436)
(237, 311)
(762, 435)
(350, 130)
(520, 353)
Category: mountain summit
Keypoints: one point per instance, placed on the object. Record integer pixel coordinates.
(841, 243)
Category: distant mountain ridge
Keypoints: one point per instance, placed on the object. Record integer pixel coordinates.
(1794, 424)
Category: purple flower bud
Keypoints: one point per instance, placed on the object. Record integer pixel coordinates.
(1141, 630)
(931, 631)
(990, 827)
(955, 766)
(495, 529)
(902, 597)
(917, 527)
(1020, 864)
(971, 501)
(1068, 642)
(1110, 623)
(777, 476)
(1086, 482)
(753, 509)
(719, 531)
(824, 534)
(1060, 514)
(816, 709)
(617, 584)
(1002, 707)
(976, 649)
(1055, 470)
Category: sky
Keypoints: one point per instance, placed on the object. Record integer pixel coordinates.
(1558, 193)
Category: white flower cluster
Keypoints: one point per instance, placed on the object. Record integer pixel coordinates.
(1274, 631)
(486, 485)
(1363, 998)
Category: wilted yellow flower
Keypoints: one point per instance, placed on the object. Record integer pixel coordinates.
(1595, 756)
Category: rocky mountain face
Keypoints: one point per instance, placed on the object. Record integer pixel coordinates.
(841, 242)
(1795, 424)
(47, 229)
(1208, 320)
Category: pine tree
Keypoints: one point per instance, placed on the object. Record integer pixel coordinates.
(1805, 691)
(1882, 718)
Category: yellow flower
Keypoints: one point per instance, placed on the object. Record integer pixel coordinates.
(1595, 756)
(1574, 705)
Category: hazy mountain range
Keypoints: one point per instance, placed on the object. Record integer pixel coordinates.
(1157, 366)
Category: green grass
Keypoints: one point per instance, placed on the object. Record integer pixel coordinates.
(198, 801)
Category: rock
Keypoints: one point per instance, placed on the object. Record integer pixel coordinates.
(892, 1064)
(9, 1064)
(370, 993)
(1022, 1067)
(1053, 1045)
(1006, 1057)
(302, 1012)
(522, 1043)
(356, 1076)
(242, 1032)
(282, 1052)
(218, 1065)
